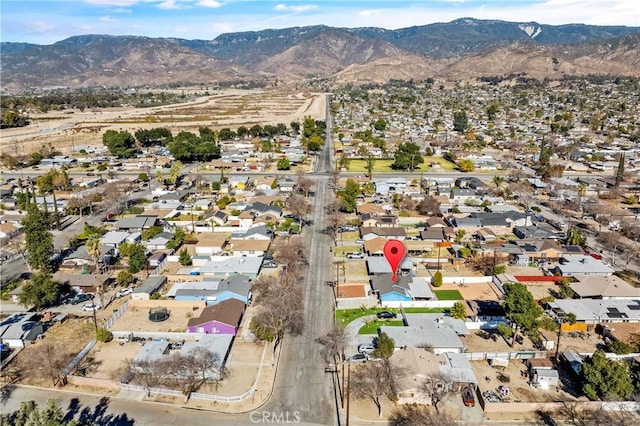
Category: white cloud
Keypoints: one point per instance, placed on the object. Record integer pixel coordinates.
(365, 13)
(210, 3)
(168, 4)
(40, 27)
(120, 3)
(295, 8)
(106, 19)
(121, 10)
(222, 27)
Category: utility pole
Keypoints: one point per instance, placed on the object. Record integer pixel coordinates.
(342, 393)
(348, 389)
(95, 320)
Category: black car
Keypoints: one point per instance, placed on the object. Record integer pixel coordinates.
(386, 315)
(83, 297)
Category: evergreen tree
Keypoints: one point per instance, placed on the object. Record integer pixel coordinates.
(458, 311)
(620, 170)
(41, 291)
(606, 378)
(38, 238)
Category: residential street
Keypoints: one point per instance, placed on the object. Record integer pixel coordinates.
(301, 383)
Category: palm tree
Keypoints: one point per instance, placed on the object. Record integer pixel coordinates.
(94, 245)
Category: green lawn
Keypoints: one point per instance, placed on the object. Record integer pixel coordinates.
(448, 294)
(345, 316)
(381, 165)
(372, 327)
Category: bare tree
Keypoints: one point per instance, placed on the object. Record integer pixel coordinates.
(407, 204)
(304, 184)
(47, 358)
(291, 253)
(429, 206)
(574, 413)
(148, 373)
(611, 241)
(281, 310)
(484, 264)
(334, 220)
(437, 386)
(335, 174)
(371, 381)
(188, 372)
(18, 245)
(333, 342)
(419, 415)
(299, 206)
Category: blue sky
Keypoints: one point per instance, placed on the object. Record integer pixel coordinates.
(48, 21)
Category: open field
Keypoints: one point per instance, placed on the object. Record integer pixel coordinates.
(230, 108)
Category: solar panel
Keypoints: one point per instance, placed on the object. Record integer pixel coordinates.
(634, 307)
(617, 315)
(613, 310)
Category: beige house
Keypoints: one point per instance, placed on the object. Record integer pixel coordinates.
(210, 243)
(603, 287)
(421, 373)
(249, 247)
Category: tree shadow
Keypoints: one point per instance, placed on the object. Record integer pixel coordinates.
(6, 391)
(96, 416)
(72, 410)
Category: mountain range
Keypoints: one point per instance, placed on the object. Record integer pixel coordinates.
(462, 49)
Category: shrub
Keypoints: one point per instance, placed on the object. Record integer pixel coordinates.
(437, 279)
(104, 335)
(504, 330)
(619, 347)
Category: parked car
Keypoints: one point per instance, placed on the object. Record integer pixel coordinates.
(366, 348)
(355, 255)
(358, 358)
(467, 397)
(359, 242)
(269, 264)
(386, 315)
(123, 292)
(90, 307)
(82, 297)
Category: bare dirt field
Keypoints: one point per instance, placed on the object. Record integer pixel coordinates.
(227, 108)
(489, 378)
(63, 340)
(479, 341)
(137, 319)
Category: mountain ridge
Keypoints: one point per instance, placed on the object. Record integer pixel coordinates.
(453, 50)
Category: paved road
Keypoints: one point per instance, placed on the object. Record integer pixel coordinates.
(301, 384)
(119, 411)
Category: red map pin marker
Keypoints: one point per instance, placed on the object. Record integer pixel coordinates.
(394, 251)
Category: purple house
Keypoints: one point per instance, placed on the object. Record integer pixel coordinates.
(223, 318)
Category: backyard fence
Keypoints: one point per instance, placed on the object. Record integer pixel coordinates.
(117, 314)
(480, 356)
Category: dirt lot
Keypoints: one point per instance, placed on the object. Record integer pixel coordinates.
(60, 344)
(489, 378)
(475, 342)
(227, 108)
(137, 319)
